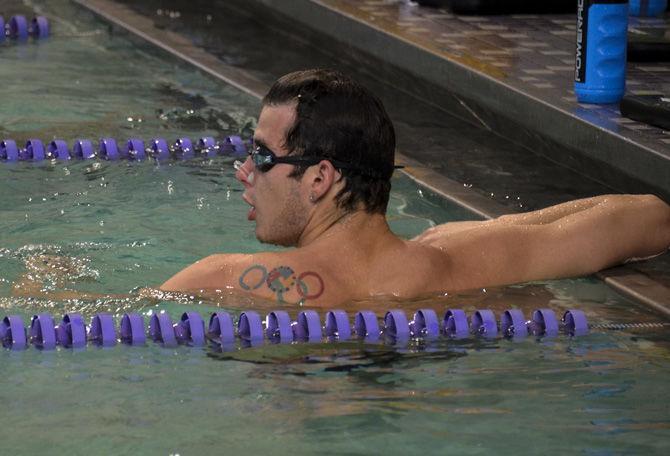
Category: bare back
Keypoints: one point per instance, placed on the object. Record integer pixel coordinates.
(321, 275)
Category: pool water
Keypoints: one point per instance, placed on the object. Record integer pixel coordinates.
(111, 228)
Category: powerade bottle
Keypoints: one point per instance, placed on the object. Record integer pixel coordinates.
(600, 63)
(647, 7)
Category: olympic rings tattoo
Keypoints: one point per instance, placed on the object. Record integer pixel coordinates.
(281, 279)
(264, 273)
(303, 289)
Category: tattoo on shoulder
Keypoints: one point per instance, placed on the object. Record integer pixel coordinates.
(283, 281)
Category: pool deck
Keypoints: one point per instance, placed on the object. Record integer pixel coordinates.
(536, 107)
(508, 71)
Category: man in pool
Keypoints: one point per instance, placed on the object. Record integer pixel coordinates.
(318, 180)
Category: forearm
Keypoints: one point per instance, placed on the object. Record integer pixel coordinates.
(552, 213)
(615, 230)
(27, 287)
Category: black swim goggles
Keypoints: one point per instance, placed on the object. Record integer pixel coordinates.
(264, 160)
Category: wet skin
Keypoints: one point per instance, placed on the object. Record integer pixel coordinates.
(339, 257)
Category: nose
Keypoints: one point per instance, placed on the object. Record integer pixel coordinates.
(244, 173)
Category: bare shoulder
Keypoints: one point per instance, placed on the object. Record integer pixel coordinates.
(212, 271)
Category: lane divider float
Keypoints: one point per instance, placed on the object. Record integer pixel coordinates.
(133, 149)
(19, 29)
(278, 328)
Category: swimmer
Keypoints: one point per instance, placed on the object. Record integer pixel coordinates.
(318, 180)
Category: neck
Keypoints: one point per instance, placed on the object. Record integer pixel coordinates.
(358, 226)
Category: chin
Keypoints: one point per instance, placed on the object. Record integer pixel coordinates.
(275, 238)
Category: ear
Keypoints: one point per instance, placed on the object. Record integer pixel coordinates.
(322, 178)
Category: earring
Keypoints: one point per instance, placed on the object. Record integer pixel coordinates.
(311, 197)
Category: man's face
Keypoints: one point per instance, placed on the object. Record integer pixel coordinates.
(277, 202)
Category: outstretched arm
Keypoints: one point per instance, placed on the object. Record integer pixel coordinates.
(570, 239)
(47, 277)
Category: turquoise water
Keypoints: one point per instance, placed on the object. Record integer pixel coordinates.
(109, 228)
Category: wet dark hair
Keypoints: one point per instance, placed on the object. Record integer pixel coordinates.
(340, 119)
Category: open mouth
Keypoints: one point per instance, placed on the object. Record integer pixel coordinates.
(251, 215)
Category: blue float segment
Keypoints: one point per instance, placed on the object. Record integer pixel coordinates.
(13, 333)
(83, 149)
(366, 325)
(160, 149)
(190, 329)
(221, 328)
(184, 148)
(513, 324)
(58, 149)
(250, 327)
(131, 331)
(43, 331)
(8, 150)
(39, 27)
(2, 29)
(396, 325)
(35, 150)
(425, 324)
(233, 146)
(135, 149)
(575, 323)
(278, 327)
(483, 323)
(109, 150)
(207, 146)
(71, 332)
(544, 323)
(102, 330)
(455, 324)
(337, 325)
(18, 27)
(161, 329)
(307, 326)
